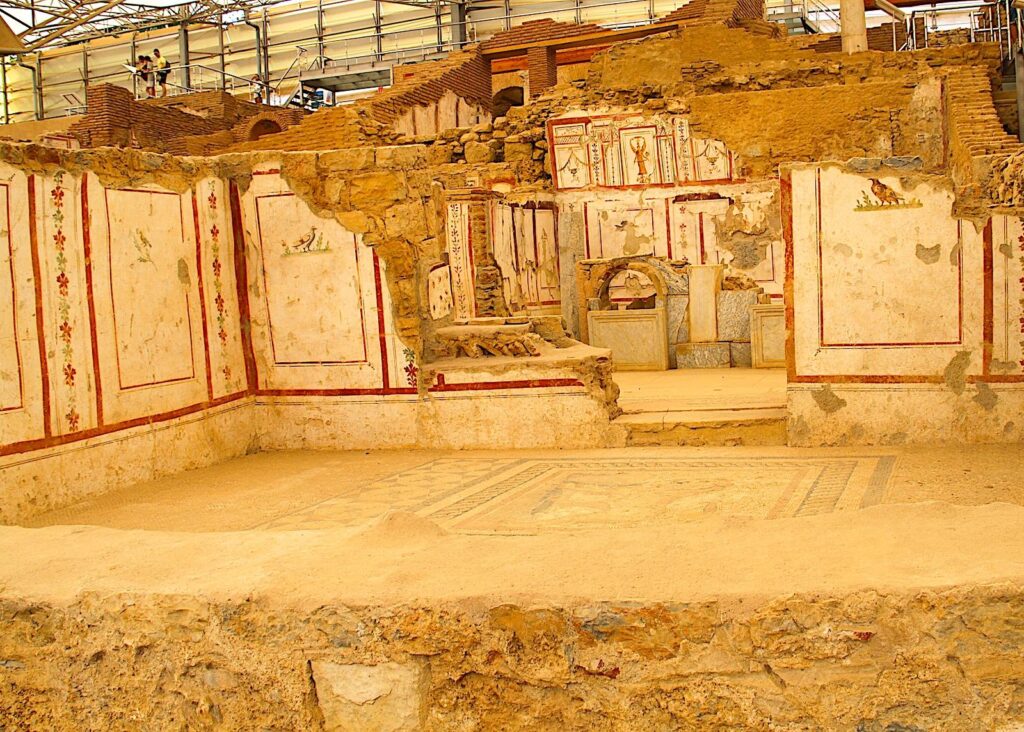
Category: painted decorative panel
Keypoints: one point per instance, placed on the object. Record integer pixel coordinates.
(1007, 295)
(617, 151)
(145, 286)
(908, 260)
(864, 246)
(150, 288)
(525, 242)
(311, 284)
(11, 372)
(570, 155)
(460, 259)
(439, 292)
(22, 400)
(68, 321)
(619, 228)
(316, 297)
(211, 210)
(737, 228)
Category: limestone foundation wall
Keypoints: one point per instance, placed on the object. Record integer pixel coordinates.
(868, 660)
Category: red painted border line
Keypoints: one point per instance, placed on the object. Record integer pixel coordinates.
(14, 308)
(57, 440)
(93, 333)
(443, 386)
(44, 369)
(373, 391)
(242, 288)
(385, 378)
(988, 303)
(786, 204)
(903, 379)
(202, 296)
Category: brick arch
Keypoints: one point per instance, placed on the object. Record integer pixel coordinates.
(510, 96)
(260, 125)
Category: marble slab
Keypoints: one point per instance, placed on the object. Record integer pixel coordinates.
(638, 339)
(703, 356)
(768, 336)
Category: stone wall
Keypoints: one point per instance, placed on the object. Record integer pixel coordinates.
(933, 659)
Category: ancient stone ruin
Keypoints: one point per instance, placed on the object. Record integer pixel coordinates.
(667, 376)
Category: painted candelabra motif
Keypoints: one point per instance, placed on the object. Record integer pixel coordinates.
(218, 287)
(624, 150)
(1020, 252)
(66, 328)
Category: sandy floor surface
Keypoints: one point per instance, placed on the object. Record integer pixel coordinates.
(639, 524)
(538, 491)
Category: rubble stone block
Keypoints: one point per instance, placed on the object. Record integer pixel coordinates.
(387, 697)
(479, 152)
(518, 150)
(402, 156)
(740, 354)
(355, 158)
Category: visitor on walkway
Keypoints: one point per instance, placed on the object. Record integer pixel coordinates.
(257, 89)
(145, 68)
(163, 68)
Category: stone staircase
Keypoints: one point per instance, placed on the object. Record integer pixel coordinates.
(715, 407)
(1005, 100)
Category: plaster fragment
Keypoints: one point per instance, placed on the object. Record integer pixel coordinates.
(928, 255)
(827, 400)
(986, 397)
(955, 374)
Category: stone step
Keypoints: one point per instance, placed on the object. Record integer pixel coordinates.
(719, 427)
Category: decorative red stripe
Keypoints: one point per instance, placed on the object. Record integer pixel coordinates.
(44, 368)
(57, 440)
(386, 379)
(202, 296)
(87, 245)
(242, 288)
(988, 307)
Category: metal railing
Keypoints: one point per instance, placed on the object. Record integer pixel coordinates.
(814, 14)
(204, 78)
(982, 22)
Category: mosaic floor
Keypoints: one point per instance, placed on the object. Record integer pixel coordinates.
(528, 495)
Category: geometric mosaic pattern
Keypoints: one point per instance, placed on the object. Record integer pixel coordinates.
(515, 496)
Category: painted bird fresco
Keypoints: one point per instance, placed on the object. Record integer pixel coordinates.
(886, 195)
(306, 242)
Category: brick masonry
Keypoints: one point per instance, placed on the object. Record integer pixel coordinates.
(195, 124)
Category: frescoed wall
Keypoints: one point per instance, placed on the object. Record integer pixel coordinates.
(119, 314)
(647, 186)
(144, 331)
(317, 299)
(630, 151)
(525, 241)
(944, 362)
(448, 112)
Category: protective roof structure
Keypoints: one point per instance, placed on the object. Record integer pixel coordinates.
(45, 23)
